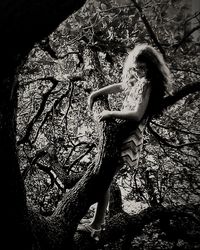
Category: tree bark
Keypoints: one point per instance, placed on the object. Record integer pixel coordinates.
(22, 24)
(124, 224)
(180, 222)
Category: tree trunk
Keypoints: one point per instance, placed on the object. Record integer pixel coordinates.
(21, 25)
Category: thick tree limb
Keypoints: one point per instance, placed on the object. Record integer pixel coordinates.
(126, 227)
(133, 224)
(178, 95)
(169, 101)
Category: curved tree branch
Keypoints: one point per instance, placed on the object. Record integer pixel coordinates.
(183, 92)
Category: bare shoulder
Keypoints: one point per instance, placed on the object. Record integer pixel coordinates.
(119, 87)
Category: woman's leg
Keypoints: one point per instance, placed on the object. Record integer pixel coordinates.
(100, 211)
(101, 207)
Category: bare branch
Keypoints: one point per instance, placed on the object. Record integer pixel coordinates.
(32, 162)
(49, 112)
(186, 36)
(90, 147)
(40, 110)
(195, 15)
(186, 70)
(45, 45)
(148, 27)
(52, 175)
(168, 144)
(175, 128)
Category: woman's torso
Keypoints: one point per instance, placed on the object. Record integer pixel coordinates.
(132, 144)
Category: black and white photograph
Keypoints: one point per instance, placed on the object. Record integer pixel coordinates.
(100, 124)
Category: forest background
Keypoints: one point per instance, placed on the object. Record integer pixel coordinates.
(155, 206)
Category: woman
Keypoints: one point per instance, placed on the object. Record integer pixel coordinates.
(145, 82)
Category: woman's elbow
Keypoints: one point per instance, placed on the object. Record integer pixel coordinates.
(134, 116)
(137, 118)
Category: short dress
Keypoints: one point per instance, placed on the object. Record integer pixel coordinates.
(131, 145)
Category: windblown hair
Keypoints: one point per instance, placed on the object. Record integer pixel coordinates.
(157, 73)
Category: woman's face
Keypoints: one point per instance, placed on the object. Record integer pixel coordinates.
(141, 69)
(136, 72)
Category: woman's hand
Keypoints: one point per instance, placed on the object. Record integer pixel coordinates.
(91, 100)
(106, 114)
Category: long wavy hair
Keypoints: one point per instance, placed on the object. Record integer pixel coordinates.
(157, 73)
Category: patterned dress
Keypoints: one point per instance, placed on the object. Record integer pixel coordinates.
(132, 144)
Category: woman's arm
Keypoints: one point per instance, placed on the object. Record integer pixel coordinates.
(111, 89)
(123, 115)
(132, 115)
